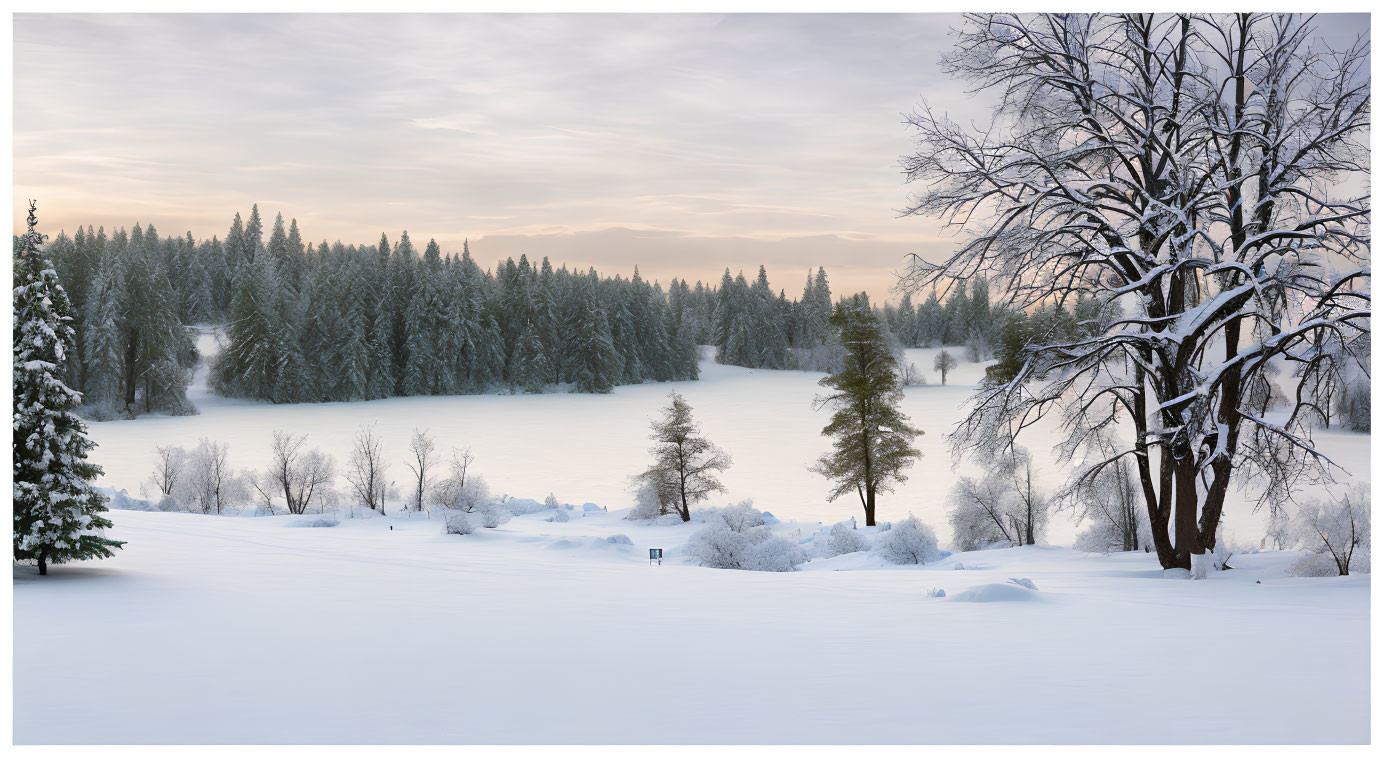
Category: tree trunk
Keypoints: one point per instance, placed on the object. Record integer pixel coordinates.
(42, 566)
(1185, 515)
(869, 506)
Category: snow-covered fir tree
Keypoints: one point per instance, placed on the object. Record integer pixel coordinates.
(57, 512)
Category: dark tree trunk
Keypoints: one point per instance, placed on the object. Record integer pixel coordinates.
(869, 506)
(1185, 516)
(42, 566)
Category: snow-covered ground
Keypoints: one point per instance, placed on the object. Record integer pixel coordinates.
(243, 630)
(209, 629)
(584, 447)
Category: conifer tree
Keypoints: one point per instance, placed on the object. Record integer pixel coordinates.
(872, 438)
(57, 512)
(596, 364)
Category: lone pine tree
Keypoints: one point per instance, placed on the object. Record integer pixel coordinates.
(57, 513)
(872, 439)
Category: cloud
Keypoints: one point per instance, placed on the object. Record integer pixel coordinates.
(775, 129)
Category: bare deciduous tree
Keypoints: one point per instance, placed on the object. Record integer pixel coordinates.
(1209, 172)
(423, 450)
(210, 483)
(367, 471)
(169, 461)
(302, 477)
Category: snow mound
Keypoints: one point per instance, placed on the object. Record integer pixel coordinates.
(587, 543)
(936, 592)
(591, 507)
(619, 539)
(521, 506)
(313, 523)
(1024, 582)
(995, 593)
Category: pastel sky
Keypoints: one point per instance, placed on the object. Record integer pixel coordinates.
(681, 143)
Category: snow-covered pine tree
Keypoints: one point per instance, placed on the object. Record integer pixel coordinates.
(249, 364)
(596, 364)
(57, 512)
(528, 366)
(103, 343)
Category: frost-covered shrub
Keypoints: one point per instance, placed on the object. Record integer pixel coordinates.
(459, 523)
(716, 545)
(1339, 529)
(736, 537)
(742, 516)
(492, 514)
(1314, 564)
(559, 516)
(550, 501)
(774, 554)
(647, 504)
(468, 494)
(842, 540)
(908, 541)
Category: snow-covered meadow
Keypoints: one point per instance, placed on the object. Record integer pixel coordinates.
(584, 447)
(243, 629)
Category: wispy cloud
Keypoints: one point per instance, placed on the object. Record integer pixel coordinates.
(492, 127)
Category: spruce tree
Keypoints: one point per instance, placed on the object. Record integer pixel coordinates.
(57, 512)
(596, 365)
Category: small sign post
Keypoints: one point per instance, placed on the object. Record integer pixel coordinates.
(656, 554)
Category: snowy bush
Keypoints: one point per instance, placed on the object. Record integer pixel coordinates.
(619, 539)
(1338, 530)
(550, 501)
(842, 539)
(466, 493)
(908, 541)
(735, 537)
(460, 523)
(774, 554)
(1314, 564)
(647, 504)
(559, 517)
(742, 516)
(492, 514)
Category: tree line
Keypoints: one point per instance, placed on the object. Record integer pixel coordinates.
(337, 322)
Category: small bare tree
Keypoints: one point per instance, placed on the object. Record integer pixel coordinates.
(1339, 529)
(1003, 505)
(1208, 172)
(210, 484)
(302, 477)
(423, 451)
(367, 472)
(169, 462)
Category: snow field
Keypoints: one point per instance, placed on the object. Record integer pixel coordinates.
(242, 630)
(584, 447)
